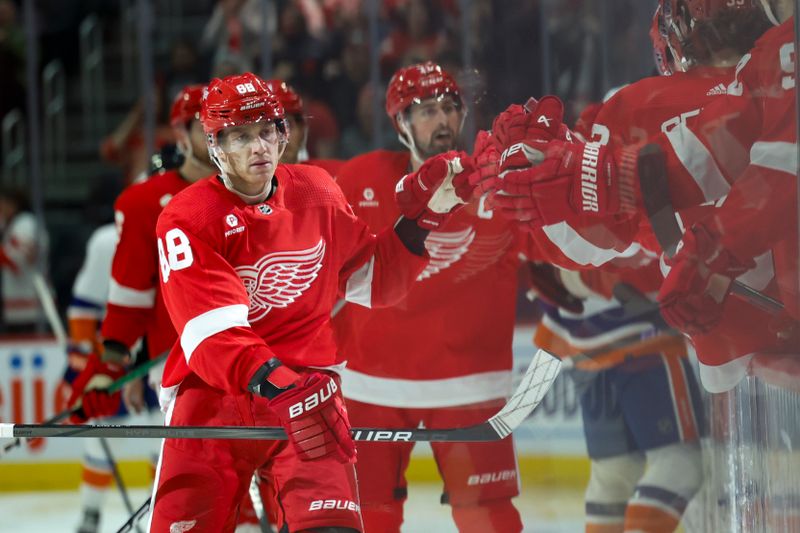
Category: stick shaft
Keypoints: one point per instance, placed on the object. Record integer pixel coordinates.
(470, 434)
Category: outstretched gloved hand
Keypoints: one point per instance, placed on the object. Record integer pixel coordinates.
(437, 190)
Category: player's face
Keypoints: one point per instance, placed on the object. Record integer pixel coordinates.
(435, 125)
(250, 155)
(297, 136)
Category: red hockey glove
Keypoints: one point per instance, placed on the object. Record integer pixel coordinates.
(89, 391)
(574, 179)
(542, 124)
(485, 155)
(694, 292)
(310, 409)
(435, 191)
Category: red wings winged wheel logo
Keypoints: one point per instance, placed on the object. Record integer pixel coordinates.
(280, 278)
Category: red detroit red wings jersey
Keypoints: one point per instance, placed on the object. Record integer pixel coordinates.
(135, 305)
(449, 341)
(244, 283)
(634, 114)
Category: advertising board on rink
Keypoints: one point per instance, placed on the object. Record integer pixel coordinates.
(32, 390)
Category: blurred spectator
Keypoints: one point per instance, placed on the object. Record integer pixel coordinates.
(232, 32)
(24, 248)
(297, 54)
(418, 35)
(357, 137)
(125, 146)
(184, 69)
(347, 75)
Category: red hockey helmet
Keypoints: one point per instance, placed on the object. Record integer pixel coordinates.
(238, 100)
(412, 85)
(186, 106)
(658, 34)
(681, 18)
(708, 9)
(289, 99)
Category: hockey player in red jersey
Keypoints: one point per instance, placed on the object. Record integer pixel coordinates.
(135, 308)
(656, 499)
(252, 262)
(704, 155)
(455, 368)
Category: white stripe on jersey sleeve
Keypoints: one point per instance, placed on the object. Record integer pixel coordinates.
(698, 162)
(128, 297)
(210, 323)
(781, 156)
(576, 248)
(359, 284)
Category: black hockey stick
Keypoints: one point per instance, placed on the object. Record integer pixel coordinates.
(534, 385)
(135, 517)
(117, 477)
(134, 374)
(655, 194)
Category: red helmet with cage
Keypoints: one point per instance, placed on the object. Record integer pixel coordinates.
(412, 85)
(186, 106)
(239, 100)
(682, 16)
(658, 34)
(289, 99)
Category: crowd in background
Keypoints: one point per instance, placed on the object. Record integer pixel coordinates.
(502, 52)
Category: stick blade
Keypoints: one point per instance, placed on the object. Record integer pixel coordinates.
(538, 379)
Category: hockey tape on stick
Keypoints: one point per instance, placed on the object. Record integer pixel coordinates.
(134, 374)
(655, 194)
(538, 379)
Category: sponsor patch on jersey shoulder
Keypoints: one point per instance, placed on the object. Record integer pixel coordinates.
(368, 198)
(233, 221)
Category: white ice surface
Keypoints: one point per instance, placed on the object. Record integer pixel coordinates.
(543, 511)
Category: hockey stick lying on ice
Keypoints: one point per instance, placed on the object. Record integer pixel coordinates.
(534, 385)
(134, 374)
(655, 193)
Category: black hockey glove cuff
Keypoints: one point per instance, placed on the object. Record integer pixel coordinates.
(272, 378)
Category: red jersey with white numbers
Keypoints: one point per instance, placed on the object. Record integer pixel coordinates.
(135, 306)
(449, 341)
(245, 283)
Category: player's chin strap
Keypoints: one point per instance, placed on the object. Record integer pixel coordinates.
(407, 140)
(769, 12)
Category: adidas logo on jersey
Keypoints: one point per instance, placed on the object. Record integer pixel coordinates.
(718, 90)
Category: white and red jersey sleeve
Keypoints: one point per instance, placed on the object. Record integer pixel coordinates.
(636, 113)
(709, 151)
(244, 283)
(135, 308)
